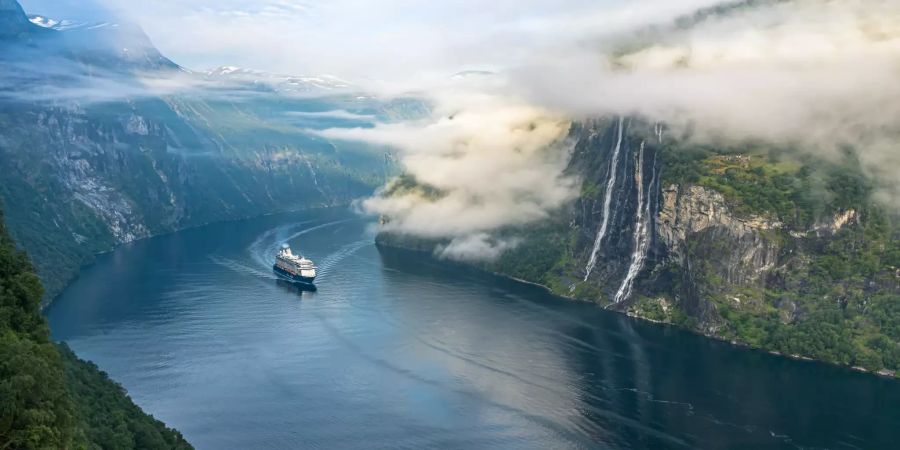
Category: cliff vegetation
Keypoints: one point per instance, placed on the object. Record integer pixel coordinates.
(48, 397)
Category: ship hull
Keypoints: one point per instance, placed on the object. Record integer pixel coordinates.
(284, 274)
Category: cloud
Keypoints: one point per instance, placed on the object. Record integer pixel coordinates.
(58, 80)
(816, 75)
(332, 114)
(476, 247)
(400, 41)
(485, 162)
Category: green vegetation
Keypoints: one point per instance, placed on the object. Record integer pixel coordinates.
(407, 184)
(539, 248)
(48, 397)
(837, 296)
(782, 185)
(107, 418)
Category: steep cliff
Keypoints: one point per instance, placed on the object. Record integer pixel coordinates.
(742, 242)
(747, 243)
(696, 226)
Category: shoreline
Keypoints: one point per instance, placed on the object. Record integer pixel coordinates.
(883, 373)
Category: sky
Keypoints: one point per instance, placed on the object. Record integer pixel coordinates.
(380, 39)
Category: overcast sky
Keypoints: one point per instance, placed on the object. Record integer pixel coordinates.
(384, 39)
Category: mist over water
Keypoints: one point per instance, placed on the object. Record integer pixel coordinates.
(396, 350)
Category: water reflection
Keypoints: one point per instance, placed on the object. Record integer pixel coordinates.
(296, 288)
(608, 379)
(397, 350)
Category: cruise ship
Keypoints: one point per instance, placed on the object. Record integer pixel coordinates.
(294, 268)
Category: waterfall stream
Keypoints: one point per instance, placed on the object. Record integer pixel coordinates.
(642, 223)
(607, 200)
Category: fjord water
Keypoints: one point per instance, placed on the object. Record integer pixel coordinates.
(396, 350)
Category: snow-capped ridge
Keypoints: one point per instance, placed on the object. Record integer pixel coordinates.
(278, 82)
(67, 25)
(42, 21)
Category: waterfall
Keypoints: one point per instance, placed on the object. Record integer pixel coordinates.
(642, 225)
(659, 131)
(610, 185)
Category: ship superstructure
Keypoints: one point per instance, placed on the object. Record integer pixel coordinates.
(293, 267)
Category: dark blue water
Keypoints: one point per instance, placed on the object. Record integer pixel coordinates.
(399, 351)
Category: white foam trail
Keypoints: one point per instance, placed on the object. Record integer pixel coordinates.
(641, 229)
(241, 268)
(610, 184)
(332, 260)
(263, 251)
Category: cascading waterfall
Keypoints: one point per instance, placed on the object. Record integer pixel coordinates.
(642, 225)
(607, 200)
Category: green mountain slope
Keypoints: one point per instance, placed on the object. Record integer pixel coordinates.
(48, 397)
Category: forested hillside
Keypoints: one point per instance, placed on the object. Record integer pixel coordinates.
(48, 397)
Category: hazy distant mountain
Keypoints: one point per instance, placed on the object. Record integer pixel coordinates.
(277, 82)
(14, 23)
(104, 140)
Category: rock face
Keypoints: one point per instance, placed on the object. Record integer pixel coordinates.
(697, 229)
(618, 162)
(687, 230)
(637, 238)
(80, 181)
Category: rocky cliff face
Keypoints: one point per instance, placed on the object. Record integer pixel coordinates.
(618, 161)
(697, 229)
(734, 245)
(77, 181)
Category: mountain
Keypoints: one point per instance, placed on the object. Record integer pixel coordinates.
(14, 23)
(48, 397)
(289, 84)
(103, 140)
(752, 244)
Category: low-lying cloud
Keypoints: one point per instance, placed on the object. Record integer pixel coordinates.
(486, 162)
(341, 114)
(816, 75)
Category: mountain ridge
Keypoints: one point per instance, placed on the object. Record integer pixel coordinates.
(94, 156)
